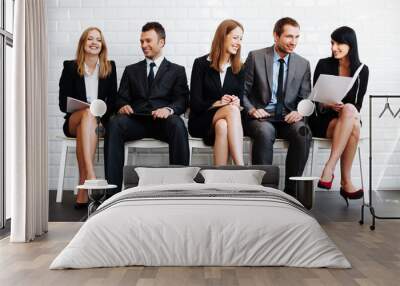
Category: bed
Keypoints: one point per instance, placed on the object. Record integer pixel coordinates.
(198, 224)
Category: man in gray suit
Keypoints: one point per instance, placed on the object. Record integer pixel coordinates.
(276, 80)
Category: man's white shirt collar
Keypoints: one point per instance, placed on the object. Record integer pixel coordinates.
(157, 61)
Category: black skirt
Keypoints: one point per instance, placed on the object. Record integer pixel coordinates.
(319, 122)
(66, 129)
(200, 126)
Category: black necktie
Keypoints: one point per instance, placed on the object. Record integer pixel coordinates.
(150, 77)
(279, 92)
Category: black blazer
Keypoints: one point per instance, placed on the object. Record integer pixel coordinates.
(73, 85)
(205, 85)
(331, 66)
(169, 88)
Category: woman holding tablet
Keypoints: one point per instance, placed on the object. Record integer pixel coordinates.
(341, 121)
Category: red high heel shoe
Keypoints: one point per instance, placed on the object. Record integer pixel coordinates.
(351, 196)
(325, 184)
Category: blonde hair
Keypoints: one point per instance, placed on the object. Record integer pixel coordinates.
(105, 66)
(217, 46)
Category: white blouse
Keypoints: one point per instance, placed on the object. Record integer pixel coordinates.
(92, 83)
(222, 73)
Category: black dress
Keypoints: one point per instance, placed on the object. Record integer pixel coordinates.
(205, 89)
(319, 121)
(73, 85)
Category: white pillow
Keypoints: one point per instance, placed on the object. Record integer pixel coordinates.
(164, 176)
(248, 177)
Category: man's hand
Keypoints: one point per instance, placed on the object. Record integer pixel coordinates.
(126, 109)
(293, 117)
(259, 113)
(161, 113)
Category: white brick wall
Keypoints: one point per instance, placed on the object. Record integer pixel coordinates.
(190, 26)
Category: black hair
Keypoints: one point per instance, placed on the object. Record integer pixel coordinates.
(157, 27)
(346, 35)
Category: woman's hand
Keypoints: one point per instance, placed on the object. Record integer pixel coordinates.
(334, 106)
(226, 99)
(235, 100)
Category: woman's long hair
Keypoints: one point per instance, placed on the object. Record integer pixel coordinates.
(346, 35)
(105, 66)
(218, 48)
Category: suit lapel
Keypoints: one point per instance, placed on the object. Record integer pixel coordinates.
(81, 87)
(161, 70)
(101, 88)
(269, 62)
(216, 79)
(142, 77)
(229, 78)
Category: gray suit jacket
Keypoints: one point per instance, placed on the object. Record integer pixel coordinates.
(258, 80)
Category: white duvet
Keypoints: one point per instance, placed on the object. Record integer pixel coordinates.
(183, 231)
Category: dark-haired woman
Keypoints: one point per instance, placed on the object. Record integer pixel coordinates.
(341, 121)
(90, 76)
(216, 88)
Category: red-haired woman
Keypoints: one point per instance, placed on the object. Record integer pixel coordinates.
(216, 89)
(90, 76)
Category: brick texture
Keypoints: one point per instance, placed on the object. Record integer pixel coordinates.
(190, 26)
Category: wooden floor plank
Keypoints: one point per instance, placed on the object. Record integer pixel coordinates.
(374, 255)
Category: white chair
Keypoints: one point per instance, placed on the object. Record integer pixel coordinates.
(278, 144)
(198, 143)
(324, 143)
(67, 142)
(142, 143)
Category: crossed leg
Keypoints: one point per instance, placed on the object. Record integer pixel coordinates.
(82, 124)
(345, 134)
(228, 135)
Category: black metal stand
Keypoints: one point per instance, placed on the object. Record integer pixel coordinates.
(96, 198)
(370, 205)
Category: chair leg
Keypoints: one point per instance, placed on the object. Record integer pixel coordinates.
(134, 153)
(361, 172)
(190, 153)
(314, 153)
(61, 172)
(250, 162)
(126, 155)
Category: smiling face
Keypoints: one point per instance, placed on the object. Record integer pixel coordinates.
(233, 41)
(151, 44)
(93, 43)
(287, 41)
(339, 50)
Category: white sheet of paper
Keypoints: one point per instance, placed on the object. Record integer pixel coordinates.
(333, 88)
(330, 88)
(75, 104)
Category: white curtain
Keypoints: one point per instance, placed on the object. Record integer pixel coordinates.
(26, 120)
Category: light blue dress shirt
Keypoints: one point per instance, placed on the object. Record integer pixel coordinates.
(275, 73)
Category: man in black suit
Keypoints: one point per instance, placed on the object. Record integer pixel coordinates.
(152, 95)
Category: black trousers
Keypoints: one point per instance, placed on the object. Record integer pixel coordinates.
(264, 133)
(122, 128)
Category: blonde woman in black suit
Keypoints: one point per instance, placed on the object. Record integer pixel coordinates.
(90, 76)
(216, 89)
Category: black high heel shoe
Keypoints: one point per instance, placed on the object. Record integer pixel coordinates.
(351, 196)
(79, 206)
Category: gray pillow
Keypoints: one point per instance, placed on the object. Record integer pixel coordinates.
(166, 176)
(248, 177)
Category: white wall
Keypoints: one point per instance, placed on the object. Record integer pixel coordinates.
(190, 26)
